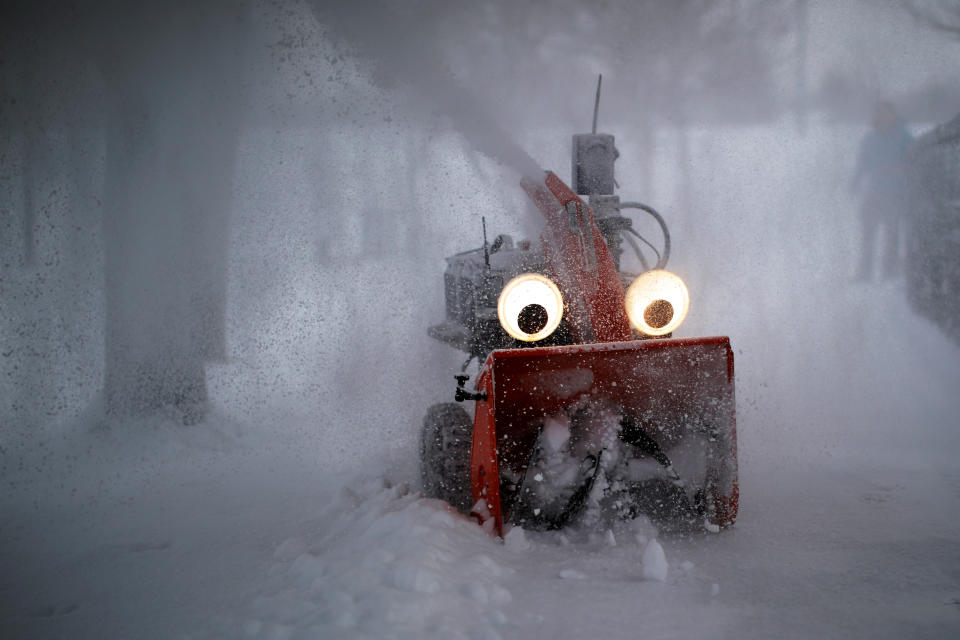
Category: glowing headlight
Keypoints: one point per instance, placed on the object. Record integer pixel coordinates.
(657, 302)
(530, 307)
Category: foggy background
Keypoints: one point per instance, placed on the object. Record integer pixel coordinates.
(223, 224)
(241, 209)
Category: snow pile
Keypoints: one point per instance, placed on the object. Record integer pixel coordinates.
(386, 563)
(381, 561)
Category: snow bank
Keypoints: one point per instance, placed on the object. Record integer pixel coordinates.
(386, 563)
(381, 561)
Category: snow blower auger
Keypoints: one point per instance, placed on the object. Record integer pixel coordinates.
(586, 409)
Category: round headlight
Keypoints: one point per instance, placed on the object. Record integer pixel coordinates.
(530, 307)
(657, 302)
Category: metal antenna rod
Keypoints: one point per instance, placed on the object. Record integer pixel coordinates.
(596, 105)
(486, 249)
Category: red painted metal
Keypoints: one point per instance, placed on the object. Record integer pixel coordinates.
(484, 466)
(662, 380)
(580, 263)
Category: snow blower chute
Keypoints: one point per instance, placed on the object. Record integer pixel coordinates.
(585, 407)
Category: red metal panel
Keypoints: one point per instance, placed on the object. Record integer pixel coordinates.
(484, 466)
(669, 382)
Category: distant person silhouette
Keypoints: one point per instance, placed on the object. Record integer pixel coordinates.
(881, 176)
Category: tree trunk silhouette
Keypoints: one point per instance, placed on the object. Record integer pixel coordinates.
(172, 83)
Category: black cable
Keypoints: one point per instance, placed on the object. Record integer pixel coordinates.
(648, 243)
(662, 261)
(636, 249)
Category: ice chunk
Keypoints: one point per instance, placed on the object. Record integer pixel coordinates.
(516, 539)
(655, 565)
(481, 509)
(611, 539)
(555, 434)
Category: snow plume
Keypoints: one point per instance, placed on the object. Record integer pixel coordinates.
(403, 55)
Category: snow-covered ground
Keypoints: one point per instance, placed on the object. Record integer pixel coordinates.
(242, 543)
(304, 521)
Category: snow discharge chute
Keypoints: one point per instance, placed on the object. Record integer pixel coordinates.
(577, 418)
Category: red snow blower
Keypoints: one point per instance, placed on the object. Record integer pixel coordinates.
(585, 408)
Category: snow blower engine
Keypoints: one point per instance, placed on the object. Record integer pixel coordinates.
(585, 407)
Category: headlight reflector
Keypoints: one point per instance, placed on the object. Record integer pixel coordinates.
(530, 307)
(657, 302)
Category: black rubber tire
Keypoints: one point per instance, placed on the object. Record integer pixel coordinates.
(445, 455)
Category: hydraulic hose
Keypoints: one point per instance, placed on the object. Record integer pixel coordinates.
(662, 262)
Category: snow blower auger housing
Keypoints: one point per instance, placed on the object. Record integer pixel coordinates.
(585, 408)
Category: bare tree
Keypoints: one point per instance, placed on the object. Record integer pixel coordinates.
(42, 120)
(172, 82)
(148, 95)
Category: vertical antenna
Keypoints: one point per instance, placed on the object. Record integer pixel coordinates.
(596, 105)
(486, 251)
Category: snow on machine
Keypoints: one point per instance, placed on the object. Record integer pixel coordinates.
(585, 408)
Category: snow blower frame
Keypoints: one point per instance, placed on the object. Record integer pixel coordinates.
(585, 406)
